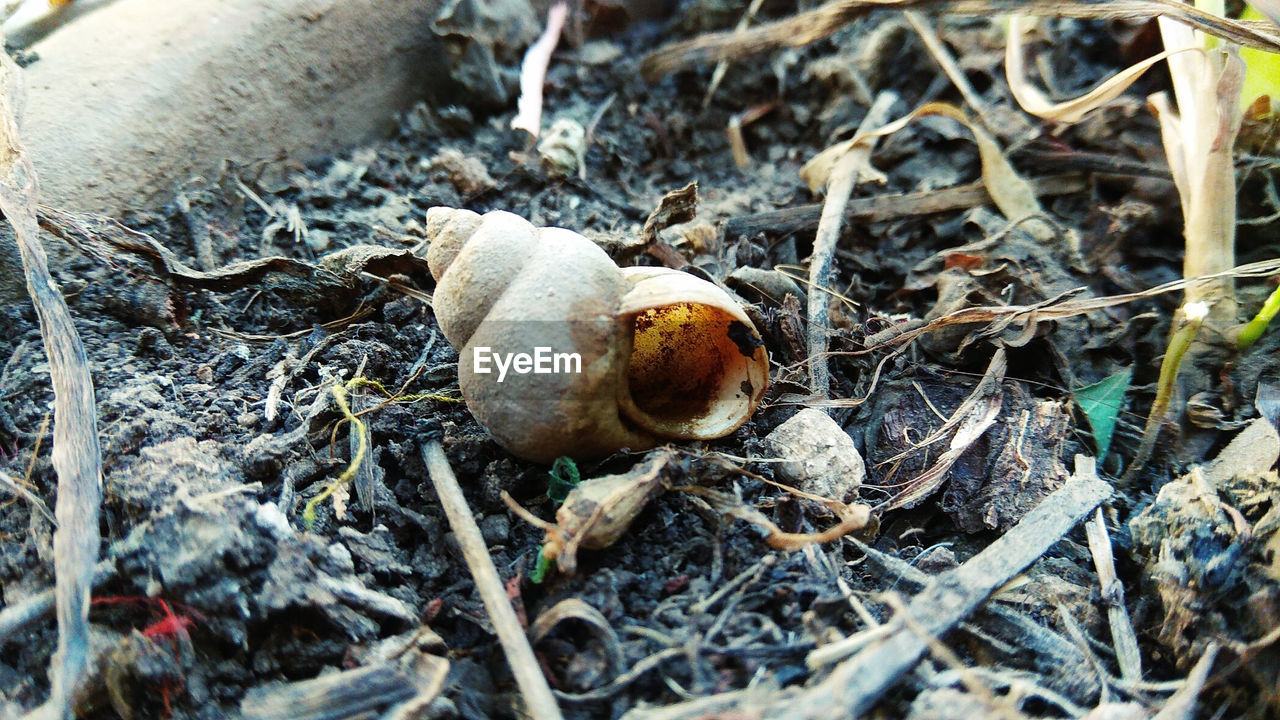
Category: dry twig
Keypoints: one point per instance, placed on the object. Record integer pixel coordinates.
(1050, 648)
(18, 616)
(855, 685)
(533, 72)
(852, 167)
(821, 22)
(717, 76)
(952, 70)
(76, 455)
(996, 706)
(884, 208)
(540, 702)
(1122, 635)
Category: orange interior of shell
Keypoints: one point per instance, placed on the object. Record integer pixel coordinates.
(695, 371)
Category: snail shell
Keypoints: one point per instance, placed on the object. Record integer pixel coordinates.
(663, 355)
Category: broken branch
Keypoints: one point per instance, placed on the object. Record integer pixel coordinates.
(855, 685)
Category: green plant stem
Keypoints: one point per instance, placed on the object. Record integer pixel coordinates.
(1258, 325)
(1187, 326)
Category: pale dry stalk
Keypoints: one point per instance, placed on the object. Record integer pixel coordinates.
(76, 456)
(852, 167)
(1199, 138)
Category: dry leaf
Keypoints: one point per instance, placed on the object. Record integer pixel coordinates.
(1070, 111)
(971, 419)
(597, 511)
(1011, 193)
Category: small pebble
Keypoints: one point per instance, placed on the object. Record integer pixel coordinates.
(818, 456)
(496, 529)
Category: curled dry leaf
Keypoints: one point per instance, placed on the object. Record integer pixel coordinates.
(968, 423)
(563, 150)
(1037, 103)
(575, 610)
(1198, 141)
(597, 511)
(396, 685)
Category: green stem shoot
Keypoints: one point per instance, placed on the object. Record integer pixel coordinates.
(1187, 324)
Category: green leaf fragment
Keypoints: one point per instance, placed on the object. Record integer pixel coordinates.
(564, 476)
(1101, 404)
(542, 567)
(1262, 70)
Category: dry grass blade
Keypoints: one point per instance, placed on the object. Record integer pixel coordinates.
(813, 25)
(1063, 308)
(76, 455)
(718, 75)
(1198, 141)
(8, 482)
(1182, 706)
(1069, 111)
